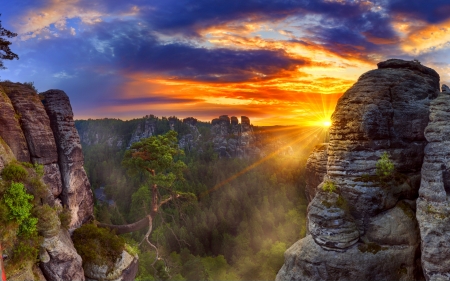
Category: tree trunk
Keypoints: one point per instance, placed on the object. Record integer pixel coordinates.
(127, 228)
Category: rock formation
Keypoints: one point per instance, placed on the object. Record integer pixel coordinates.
(28, 134)
(35, 127)
(125, 268)
(146, 130)
(190, 140)
(77, 194)
(433, 208)
(59, 259)
(361, 227)
(316, 169)
(232, 139)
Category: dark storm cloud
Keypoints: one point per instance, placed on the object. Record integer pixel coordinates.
(350, 29)
(434, 11)
(132, 50)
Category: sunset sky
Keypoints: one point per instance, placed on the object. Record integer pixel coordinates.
(275, 61)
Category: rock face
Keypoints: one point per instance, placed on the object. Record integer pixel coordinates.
(316, 169)
(360, 226)
(60, 260)
(433, 208)
(146, 130)
(10, 129)
(125, 268)
(77, 194)
(190, 141)
(35, 126)
(231, 139)
(28, 134)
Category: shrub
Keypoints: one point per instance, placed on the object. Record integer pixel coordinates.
(31, 86)
(48, 221)
(98, 245)
(329, 186)
(19, 204)
(385, 167)
(14, 172)
(65, 216)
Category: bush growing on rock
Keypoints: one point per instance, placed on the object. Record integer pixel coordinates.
(98, 245)
(385, 167)
(14, 172)
(20, 206)
(329, 186)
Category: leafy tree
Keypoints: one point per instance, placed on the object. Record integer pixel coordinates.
(5, 51)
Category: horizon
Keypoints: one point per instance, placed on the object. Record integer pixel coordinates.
(277, 62)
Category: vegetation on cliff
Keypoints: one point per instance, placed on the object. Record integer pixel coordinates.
(24, 216)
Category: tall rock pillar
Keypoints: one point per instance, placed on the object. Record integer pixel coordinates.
(433, 204)
(76, 194)
(360, 227)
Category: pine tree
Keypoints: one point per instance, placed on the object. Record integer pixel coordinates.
(5, 50)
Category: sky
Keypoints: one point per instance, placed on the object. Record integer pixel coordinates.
(279, 62)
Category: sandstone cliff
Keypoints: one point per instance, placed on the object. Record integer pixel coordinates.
(364, 228)
(232, 139)
(47, 136)
(433, 208)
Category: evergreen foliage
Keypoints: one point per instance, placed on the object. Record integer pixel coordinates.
(225, 228)
(6, 53)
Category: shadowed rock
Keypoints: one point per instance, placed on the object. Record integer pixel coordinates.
(10, 129)
(433, 205)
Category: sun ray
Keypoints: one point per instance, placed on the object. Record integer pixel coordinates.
(307, 137)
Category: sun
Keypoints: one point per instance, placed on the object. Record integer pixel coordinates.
(326, 123)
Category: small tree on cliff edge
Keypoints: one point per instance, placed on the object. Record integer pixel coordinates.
(5, 51)
(155, 157)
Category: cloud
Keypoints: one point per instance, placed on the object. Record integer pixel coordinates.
(434, 11)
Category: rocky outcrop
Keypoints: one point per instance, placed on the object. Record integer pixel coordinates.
(35, 126)
(10, 130)
(315, 170)
(6, 154)
(125, 268)
(59, 259)
(190, 140)
(362, 227)
(29, 135)
(231, 139)
(77, 194)
(146, 130)
(433, 207)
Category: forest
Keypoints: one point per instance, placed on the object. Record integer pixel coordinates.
(235, 222)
